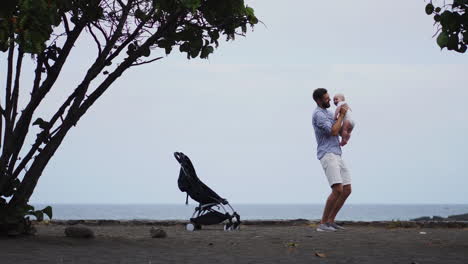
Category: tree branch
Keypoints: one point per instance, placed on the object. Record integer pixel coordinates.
(129, 39)
(14, 100)
(98, 65)
(145, 62)
(15, 95)
(8, 105)
(38, 72)
(104, 34)
(126, 64)
(8, 125)
(65, 23)
(1, 126)
(42, 137)
(31, 177)
(96, 40)
(22, 126)
(14, 104)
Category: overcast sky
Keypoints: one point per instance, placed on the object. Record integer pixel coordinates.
(244, 115)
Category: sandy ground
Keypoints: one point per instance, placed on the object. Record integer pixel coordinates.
(252, 244)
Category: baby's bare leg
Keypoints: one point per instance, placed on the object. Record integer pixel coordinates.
(346, 130)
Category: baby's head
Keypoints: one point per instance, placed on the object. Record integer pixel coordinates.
(338, 98)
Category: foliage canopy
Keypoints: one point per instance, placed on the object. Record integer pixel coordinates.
(452, 23)
(126, 34)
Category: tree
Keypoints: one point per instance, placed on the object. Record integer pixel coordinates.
(452, 24)
(126, 33)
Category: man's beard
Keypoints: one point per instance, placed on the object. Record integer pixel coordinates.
(325, 105)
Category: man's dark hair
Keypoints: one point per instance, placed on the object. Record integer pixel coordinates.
(319, 93)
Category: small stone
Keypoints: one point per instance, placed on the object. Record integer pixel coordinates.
(423, 218)
(13, 233)
(157, 233)
(79, 231)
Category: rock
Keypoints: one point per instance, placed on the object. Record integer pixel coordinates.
(460, 217)
(79, 231)
(422, 218)
(157, 233)
(428, 218)
(13, 233)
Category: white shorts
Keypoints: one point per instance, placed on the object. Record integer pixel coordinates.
(335, 169)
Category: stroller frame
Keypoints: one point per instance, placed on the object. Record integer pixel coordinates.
(205, 213)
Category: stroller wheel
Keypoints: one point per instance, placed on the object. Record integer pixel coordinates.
(190, 227)
(228, 227)
(198, 227)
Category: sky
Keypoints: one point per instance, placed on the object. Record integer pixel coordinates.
(244, 115)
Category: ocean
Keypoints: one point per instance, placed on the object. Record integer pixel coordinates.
(351, 212)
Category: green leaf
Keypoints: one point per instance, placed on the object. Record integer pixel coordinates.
(459, 3)
(446, 18)
(48, 211)
(29, 208)
(429, 9)
(249, 11)
(442, 39)
(253, 20)
(140, 14)
(195, 47)
(194, 52)
(191, 4)
(39, 215)
(206, 51)
(185, 47)
(131, 49)
(214, 35)
(452, 42)
(146, 52)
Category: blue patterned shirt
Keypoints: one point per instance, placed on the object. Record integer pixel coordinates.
(322, 121)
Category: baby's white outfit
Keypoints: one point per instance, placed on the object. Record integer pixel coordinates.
(349, 114)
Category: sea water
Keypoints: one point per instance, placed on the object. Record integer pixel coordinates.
(352, 212)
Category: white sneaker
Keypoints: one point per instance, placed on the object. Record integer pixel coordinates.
(325, 228)
(336, 226)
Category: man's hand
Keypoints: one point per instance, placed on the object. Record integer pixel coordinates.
(337, 126)
(343, 109)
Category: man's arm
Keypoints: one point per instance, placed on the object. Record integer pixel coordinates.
(335, 130)
(337, 112)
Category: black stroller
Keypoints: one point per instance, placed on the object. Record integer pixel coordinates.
(204, 214)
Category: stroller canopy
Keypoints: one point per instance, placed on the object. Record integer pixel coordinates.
(190, 183)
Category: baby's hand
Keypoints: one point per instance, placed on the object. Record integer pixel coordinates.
(344, 109)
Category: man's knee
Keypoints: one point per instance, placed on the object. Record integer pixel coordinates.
(347, 190)
(337, 189)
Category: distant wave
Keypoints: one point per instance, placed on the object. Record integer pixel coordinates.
(351, 212)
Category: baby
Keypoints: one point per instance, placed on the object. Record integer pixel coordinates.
(348, 122)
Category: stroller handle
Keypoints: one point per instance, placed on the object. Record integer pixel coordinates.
(178, 156)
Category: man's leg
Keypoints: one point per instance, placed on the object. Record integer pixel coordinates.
(339, 203)
(337, 190)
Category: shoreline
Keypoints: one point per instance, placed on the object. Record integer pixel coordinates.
(270, 222)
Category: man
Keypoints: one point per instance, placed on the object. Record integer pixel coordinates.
(329, 154)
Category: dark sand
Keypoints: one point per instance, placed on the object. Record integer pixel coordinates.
(254, 243)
